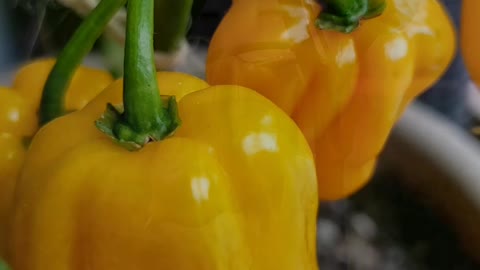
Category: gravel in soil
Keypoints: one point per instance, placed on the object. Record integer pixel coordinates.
(385, 227)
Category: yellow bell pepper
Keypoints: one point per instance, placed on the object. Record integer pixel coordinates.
(19, 121)
(16, 121)
(232, 187)
(43, 90)
(470, 38)
(344, 90)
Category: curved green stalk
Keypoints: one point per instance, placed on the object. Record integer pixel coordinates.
(81, 43)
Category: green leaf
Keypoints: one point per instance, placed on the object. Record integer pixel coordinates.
(3, 265)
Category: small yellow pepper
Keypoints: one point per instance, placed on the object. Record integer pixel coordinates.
(345, 91)
(19, 122)
(470, 38)
(42, 91)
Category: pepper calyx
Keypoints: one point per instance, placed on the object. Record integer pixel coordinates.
(114, 126)
(345, 15)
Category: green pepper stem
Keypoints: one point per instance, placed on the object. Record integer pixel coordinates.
(81, 43)
(350, 8)
(172, 19)
(144, 118)
(345, 15)
(142, 102)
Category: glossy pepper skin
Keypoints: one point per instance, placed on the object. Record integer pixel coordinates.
(345, 91)
(19, 122)
(470, 38)
(11, 156)
(233, 188)
(86, 83)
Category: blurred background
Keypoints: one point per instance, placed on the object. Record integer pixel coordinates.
(422, 209)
